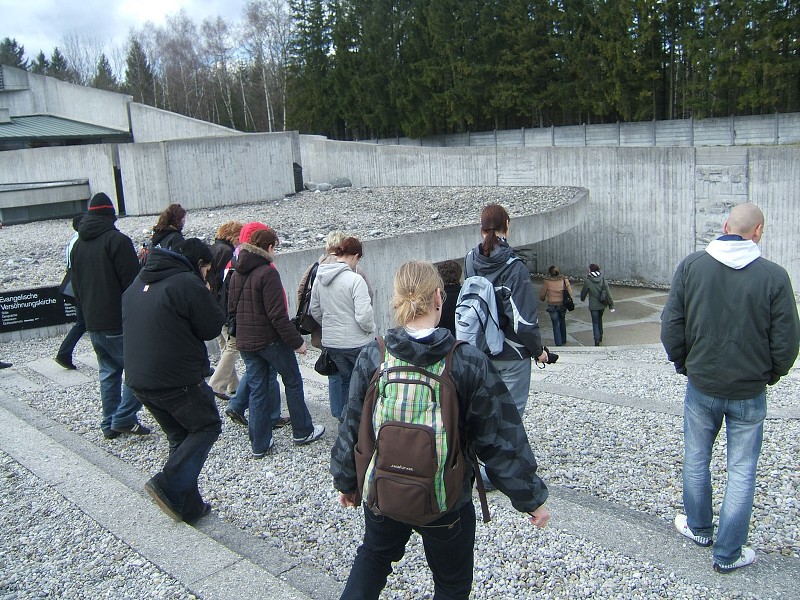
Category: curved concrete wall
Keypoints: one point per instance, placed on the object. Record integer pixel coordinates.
(382, 257)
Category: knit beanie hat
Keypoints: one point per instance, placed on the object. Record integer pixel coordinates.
(101, 204)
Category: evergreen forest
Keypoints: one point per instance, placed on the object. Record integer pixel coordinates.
(361, 69)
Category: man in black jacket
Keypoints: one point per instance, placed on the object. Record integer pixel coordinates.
(730, 325)
(104, 264)
(167, 315)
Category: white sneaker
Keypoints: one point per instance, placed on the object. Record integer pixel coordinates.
(315, 434)
(683, 529)
(748, 557)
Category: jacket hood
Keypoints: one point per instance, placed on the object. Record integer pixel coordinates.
(94, 226)
(248, 229)
(250, 258)
(495, 261)
(420, 352)
(733, 251)
(159, 236)
(163, 263)
(327, 272)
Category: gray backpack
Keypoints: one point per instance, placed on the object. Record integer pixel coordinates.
(477, 314)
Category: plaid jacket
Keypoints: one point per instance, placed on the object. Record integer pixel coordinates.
(491, 421)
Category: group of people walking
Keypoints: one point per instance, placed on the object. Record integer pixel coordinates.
(186, 293)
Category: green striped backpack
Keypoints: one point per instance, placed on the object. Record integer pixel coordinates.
(412, 470)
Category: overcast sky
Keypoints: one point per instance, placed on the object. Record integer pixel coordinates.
(43, 24)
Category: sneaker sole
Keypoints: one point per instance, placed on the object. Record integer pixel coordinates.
(158, 496)
(306, 441)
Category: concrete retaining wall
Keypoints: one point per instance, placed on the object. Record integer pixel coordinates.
(94, 162)
(775, 129)
(149, 124)
(382, 257)
(207, 172)
(649, 207)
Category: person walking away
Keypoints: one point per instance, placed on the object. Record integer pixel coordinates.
(336, 397)
(64, 355)
(451, 272)
(104, 264)
(167, 316)
(168, 230)
(552, 292)
(340, 302)
(490, 422)
(225, 380)
(596, 288)
(728, 361)
(494, 259)
(268, 341)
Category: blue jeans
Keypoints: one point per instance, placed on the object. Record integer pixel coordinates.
(558, 317)
(240, 401)
(597, 324)
(191, 422)
(276, 356)
(516, 374)
(345, 359)
(449, 544)
(119, 404)
(73, 337)
(744, 425)
(336, 399)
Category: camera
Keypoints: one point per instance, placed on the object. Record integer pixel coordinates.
(552, 357)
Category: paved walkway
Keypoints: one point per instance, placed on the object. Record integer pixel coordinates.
(228, 563)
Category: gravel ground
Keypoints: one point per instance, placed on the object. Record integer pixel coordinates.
(625, 455)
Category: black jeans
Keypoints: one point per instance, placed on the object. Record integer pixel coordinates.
(449, 544)
(190, 419)
(73, 337)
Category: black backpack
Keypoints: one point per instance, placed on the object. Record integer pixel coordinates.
(303, 321)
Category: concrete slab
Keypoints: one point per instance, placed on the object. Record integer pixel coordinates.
(11, 379)
(89, 359)
(58, 374)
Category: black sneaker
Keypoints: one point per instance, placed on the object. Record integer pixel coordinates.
(157, 494)
(282, 422)
(206, 510)
(66, 363)
(111, 435)
(5, 365)
(236, 417)
(135, 429)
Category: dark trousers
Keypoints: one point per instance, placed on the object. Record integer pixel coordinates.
(597, 324)
(73, 337)
(449, 546)
(191, 422)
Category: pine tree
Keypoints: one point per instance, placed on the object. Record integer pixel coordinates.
(60, 69)
(139, 77)
(12, 54)
(40, 65)
(104, 78)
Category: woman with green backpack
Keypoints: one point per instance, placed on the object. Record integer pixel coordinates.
(488, 419)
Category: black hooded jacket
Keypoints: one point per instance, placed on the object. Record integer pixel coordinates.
(167, 314)
(104, 264)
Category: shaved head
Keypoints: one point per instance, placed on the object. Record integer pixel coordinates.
(744, 220)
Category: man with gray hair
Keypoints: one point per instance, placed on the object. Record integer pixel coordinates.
(730, 325)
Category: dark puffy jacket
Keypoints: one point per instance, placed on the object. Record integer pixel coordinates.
(259, 302)
(167, 239)
(221, 254)
(167, 314)
(732, 331)
(491, 420)
(104, 264)
(518, 317)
